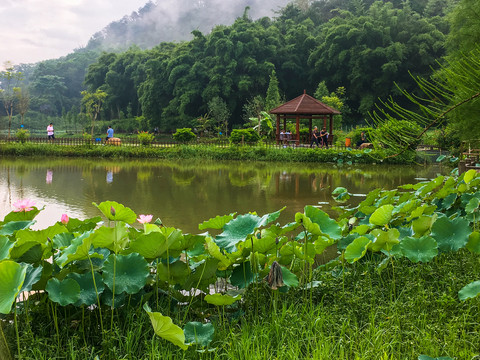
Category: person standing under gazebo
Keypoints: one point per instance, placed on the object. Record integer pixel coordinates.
(315, 136)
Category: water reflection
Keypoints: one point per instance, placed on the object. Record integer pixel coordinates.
(184, 194)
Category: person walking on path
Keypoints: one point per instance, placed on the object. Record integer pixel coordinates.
(109, 133)
(50, 132)
(314, 137)
(324, 138)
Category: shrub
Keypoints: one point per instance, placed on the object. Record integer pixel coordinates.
(249, 136)
(184, 135)
(22, 135)
(145, 138)
(356, 134)
(87, 138)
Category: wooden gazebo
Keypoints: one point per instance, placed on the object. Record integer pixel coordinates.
(304, 107)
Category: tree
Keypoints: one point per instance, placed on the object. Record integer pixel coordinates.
(9, 81)
(23, 101)
(220, 113)
(92, 103)
(272, 99)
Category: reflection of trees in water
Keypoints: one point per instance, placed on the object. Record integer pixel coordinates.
(185, 193)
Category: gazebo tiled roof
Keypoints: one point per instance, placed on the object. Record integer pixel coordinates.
(305, 105)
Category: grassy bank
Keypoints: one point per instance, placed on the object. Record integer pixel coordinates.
(208, 152)
(405, 311)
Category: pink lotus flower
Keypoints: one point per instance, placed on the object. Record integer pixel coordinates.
(23, 205)
(142, 219)
(64, 219)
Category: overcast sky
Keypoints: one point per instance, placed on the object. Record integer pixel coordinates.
(35, 30)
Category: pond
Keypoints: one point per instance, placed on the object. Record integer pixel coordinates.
(183, 193)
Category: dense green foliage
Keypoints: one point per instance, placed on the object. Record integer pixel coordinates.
(362, 48)
(244, 135)
(184, 135)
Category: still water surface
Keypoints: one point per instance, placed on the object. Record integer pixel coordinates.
(183, 194)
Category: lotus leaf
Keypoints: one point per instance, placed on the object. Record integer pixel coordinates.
(117, 212)
(63, 240)
(357, 249)
(422, 249)
(340, 194)
(174, 273)
(327, 225)
(32, 276)
(472, 205)
(263, 245)
(114, 239)
(154, 244)
(423, 224)
(383, 264)
(448, 201)
(361, 229)
(289, 278)
(242, 275)
(22, 215)
(221, 300)
(198, 333)
(406, 207)
(5, 246)
(469, 291)
(166, 329)
(13, 226)
(322, 243)
(217, 222)
(12, 276)
(76, 225)
(240, 228)
(131, 273)
(451, 235)
(27, 239)
(440, 158)
(88, 295)
(203, 274)
(214, 250)
(47, 271)
(79, 249)
(382, 215)
(64, 292)
(474, 242)
(469, 175)
(429, 186)
(308, 224)
(108, 299)
(299, 249)
(447, 189)
(384, 240)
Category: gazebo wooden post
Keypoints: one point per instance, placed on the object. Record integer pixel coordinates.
(297, 129)
(331, 130)
(284, 123)
(277, 135)
(310, 129)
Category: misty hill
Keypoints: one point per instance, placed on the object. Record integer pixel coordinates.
(174, 20)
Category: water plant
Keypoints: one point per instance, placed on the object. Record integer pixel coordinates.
(122, 260)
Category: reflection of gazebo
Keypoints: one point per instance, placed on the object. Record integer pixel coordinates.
(304, 107)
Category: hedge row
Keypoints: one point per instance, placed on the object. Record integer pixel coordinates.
(209, 152)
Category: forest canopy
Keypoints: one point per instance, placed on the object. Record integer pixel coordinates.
(369, 49)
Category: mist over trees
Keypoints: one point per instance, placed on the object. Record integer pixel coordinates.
(360, 46)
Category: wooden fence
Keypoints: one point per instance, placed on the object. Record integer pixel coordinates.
(133, 141)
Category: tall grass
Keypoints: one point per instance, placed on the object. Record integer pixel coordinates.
(356, 315)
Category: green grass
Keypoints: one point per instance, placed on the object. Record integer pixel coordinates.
(405, 311)
(207, 152)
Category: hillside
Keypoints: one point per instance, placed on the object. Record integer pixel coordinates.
(174, 20)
